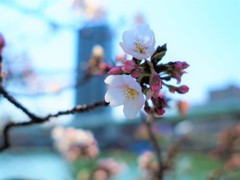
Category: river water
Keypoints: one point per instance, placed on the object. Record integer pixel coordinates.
(33, 164)
(47, 164)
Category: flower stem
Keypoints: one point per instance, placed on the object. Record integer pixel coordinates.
(148, 124)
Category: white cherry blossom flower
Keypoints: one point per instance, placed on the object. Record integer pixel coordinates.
(139, 42)
(124, 90)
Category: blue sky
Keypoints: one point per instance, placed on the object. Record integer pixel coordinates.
(205, 33)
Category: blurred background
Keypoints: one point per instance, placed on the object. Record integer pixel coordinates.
(49, 47)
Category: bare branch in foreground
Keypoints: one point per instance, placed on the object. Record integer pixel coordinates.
(34, 119)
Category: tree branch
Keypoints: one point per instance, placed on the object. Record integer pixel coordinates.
(147, 121)
(36, 119)
(12, 100)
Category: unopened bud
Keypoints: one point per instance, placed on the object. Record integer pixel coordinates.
(136, 72)
(182, 89)
(159, 111)
(178, 65)
(116, 70)
(148, 109)
(128, 66)
(185, 65)
(156, 83)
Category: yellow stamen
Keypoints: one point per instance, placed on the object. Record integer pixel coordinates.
(130, 93)
(140, 48)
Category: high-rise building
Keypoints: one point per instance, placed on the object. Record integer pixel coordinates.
(93, 89)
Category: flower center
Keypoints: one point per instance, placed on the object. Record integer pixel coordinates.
(140, 48)
(130, 93)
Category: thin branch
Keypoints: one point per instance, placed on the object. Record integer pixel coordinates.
(36, 119)
(6, 143)
(78, 109)
(148, 124)
(18, 105)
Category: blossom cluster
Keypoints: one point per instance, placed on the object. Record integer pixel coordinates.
(108, 168)
(137, 83)
(147, 165)
(75, 143)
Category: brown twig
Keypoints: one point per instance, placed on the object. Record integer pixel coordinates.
(12, 100)
(148, 124)
(36, 119)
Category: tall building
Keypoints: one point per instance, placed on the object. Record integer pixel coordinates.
(93, 89)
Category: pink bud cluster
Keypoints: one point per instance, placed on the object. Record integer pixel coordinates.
(75, 143)
(176, 69)
(129, 67)
(152, 76)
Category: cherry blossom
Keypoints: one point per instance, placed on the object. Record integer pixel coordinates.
(139, 42)
(75, 143)
(124, 90)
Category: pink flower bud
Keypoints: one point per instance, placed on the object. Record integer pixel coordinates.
(116, 70)
(128, 66)
(159, 111)
(178, 65)
(148, 109)
(185, 65)
(159, 101)
(136, 72)
(156, 83)
(182, 89)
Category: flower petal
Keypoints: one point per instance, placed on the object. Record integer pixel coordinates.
(127, 37)
(114, 80)
(128, 80)
(115, 96)
(131, 108)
